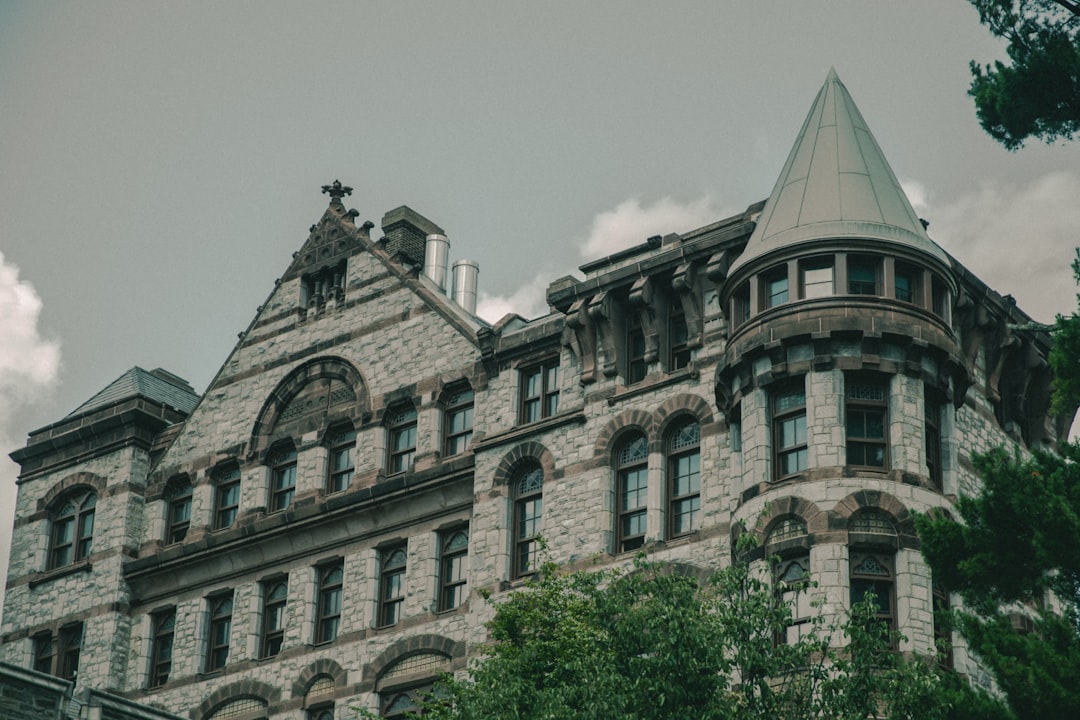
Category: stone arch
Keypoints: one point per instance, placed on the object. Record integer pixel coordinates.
(314, 392)
(419, 644)
(323, 667)
(624, 422)
(816, 520)
(75, 480)
(520, 454)
(904, 521)
(239, 690)
(674, 409)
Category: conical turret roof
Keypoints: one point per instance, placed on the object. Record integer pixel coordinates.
(836, 183)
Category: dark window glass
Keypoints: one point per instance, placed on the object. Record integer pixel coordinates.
(907, 283)
(328, 607)
(871, 573)
(44, 652)
(342, 459)
(684, 479)
(539, 391)
(459, 423)
(163, 627)
(863, 276)
(678, 337)
(789, 430)
(273, 625)
(402, 447)
(632, 492)
(71, 639)
(452, 569)
(740, 304)
(391, 586)
(217, 647)
(932, 430)
(226, 497)
(528, 487)
(73, 530)
(776, 287)
(282, 478)
(178, 498)
(866, 424)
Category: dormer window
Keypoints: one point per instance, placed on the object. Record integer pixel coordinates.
(776, 287)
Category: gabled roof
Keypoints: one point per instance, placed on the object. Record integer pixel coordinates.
(836, 183)
(158, 385)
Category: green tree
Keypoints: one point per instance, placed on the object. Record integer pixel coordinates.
(1015, 559)
(657, 644)
(1038, 94)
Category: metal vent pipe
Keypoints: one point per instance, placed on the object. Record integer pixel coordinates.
(466, 277)
(436, 256)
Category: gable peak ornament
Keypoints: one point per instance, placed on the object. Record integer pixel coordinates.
(336, 191)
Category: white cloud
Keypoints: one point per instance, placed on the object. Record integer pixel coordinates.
(630, 223)
(29, 364)
(528, 301)
(1020, 240)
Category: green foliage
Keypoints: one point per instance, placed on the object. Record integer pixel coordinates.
(1019, 541)
(1063, 357)
(1038, 94)
(658, 644)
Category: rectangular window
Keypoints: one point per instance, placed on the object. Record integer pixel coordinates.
(789, 430)
(179, 514)
(684, 480)
(282, 479)
(776, 287)
(342, 463)
(940, 299)
(226, 498)
(459, 422)
(866, 405)
(932, 409)
(163, 629)
(528, 487)
(816, 277)
(391, 586)
(402, 447)
(907, 283)
(539, 391)
(328, 602)
(678, 337)
(636, 368)
(740, 305)
(862, 275)
(44, 652)
(273, 621)
(453, 569)
(71, 639)
(871, 573)
(220, 632)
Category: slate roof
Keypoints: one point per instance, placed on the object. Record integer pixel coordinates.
(836, 183)
(158, 385)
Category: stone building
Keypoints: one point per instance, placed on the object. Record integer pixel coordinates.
(311, 533)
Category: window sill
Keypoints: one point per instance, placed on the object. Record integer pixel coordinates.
(654, 382)
(519, 431)
(56, 573)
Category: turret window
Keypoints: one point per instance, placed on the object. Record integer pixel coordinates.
(789, 430)
(906, 283)
(816, 277)
(862, 276)
(776, 287)
(866, 409)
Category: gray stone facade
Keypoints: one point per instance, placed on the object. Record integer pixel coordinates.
(671, 400)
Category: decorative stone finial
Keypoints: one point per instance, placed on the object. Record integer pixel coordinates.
(336, 191)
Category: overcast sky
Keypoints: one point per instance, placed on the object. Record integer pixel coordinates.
(160, 162)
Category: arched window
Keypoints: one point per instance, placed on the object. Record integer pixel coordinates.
(401, 434)
(407, 681)
(684, 478)
(631, 492)
(342, 465)
(791, 574)
(177, 510)
(391, 585)
(241, 709)
(528, 491)
(217, 647)
(454, 558)
(872, 560)
(320, 699)
(789, 429)
(328, 608)
(72, 529)
(273, 624)
(282, 462)
(458, 422)
(163, 628)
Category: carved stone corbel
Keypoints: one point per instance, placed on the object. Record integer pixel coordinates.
(601, 314)
(580, 337)
(687, 284)
(641, 300)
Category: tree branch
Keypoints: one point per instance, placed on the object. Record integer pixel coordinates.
(1070, 5)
